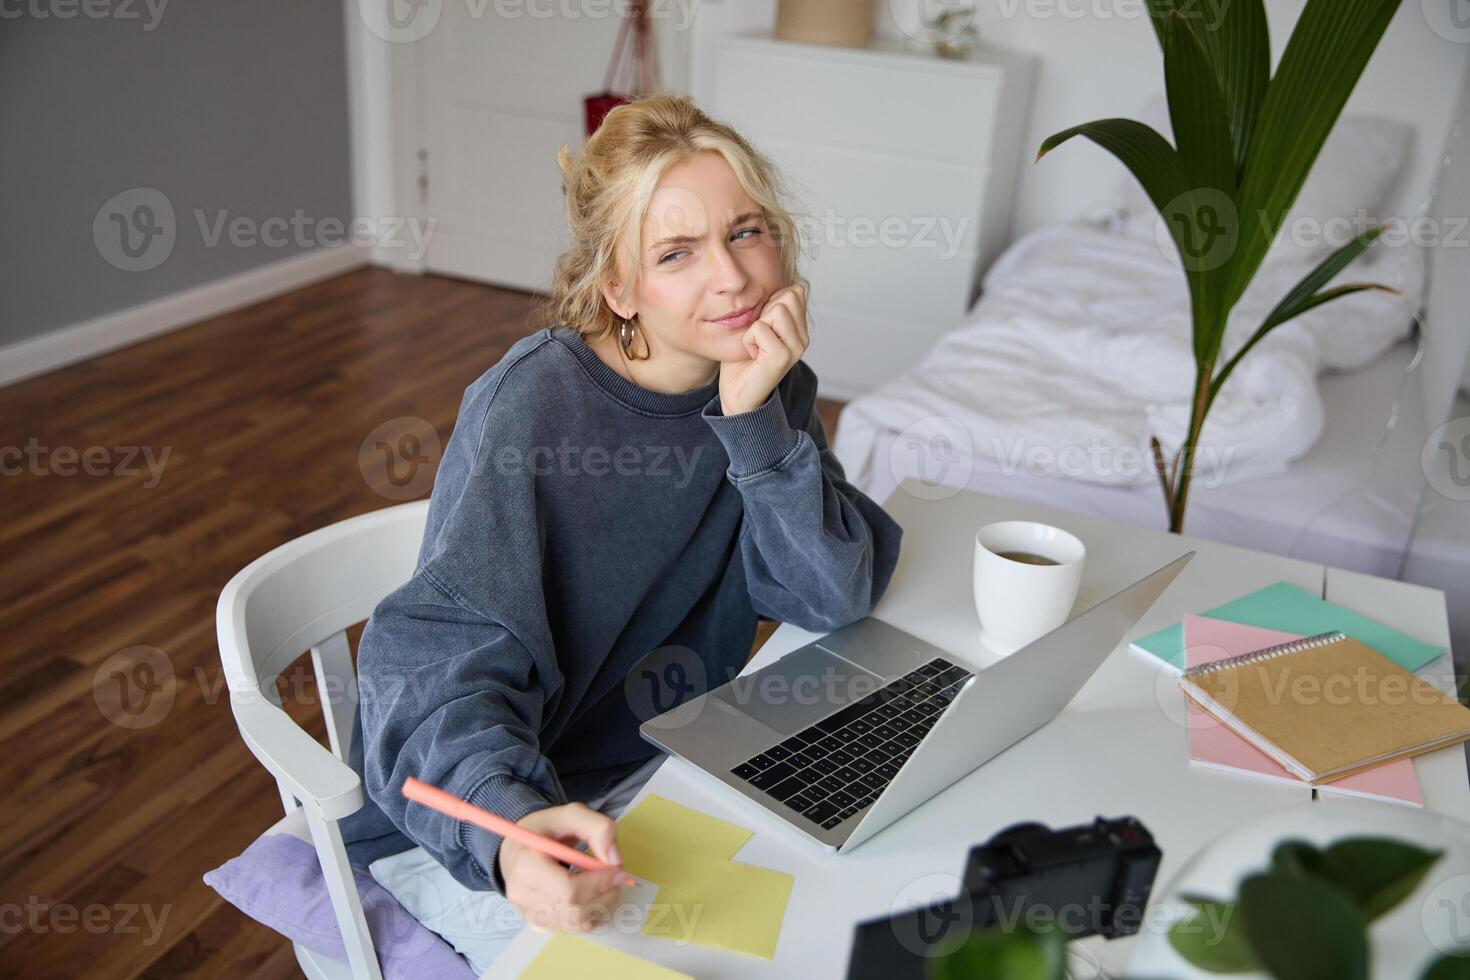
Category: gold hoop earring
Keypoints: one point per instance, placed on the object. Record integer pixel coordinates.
(627, 337)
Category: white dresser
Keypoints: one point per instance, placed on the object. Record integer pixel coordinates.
(901, 165)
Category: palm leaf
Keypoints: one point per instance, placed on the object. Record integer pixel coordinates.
(1146, 154)
(1202, 132)
(1156, 166)
(1239, 47)
(1197, 108)
(1322, 62)
(1305, 296)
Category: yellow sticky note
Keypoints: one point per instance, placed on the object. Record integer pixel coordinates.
(703, 896)
(735, 906)
(658, 825)
(566, 955)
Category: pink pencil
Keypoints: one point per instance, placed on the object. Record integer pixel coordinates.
(437, 799)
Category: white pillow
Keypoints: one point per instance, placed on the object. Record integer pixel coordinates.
(1354, 173)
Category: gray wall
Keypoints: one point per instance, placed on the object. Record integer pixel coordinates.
(219, 106)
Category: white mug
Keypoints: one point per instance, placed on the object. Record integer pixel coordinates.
(1018, 601)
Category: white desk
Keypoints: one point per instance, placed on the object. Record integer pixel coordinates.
(1117, 749)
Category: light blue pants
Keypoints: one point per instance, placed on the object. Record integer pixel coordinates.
(479, 924)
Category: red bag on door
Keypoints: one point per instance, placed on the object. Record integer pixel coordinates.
(641, 65)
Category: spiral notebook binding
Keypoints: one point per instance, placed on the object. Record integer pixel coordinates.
(1268, 653)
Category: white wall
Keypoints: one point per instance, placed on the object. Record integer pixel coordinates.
(1447, 310)
(1099, 58)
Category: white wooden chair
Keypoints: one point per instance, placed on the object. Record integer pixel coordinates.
(301, 597)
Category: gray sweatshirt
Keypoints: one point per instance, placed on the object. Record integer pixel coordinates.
(596, 553)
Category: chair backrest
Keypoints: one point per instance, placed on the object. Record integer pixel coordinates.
(303, 595)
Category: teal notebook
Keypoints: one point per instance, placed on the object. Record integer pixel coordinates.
(1292, 609)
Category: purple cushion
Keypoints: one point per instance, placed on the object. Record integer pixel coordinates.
(278, 882)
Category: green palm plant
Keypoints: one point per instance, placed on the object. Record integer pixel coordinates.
(1246, 142)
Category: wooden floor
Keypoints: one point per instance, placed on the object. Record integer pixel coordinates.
(149, 477)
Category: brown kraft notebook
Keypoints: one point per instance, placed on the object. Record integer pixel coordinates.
(1327, 706)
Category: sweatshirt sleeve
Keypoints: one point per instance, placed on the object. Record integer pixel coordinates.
(818, 553)
(457, 668)
(455, 700)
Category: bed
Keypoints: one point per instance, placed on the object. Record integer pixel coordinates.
(1333, 504)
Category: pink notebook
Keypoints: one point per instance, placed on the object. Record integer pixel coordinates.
(1215, 746)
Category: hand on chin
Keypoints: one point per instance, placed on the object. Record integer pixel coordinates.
(771, 345)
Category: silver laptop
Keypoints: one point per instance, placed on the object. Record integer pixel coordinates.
(843, 736)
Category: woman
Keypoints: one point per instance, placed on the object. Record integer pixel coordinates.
(625, 493)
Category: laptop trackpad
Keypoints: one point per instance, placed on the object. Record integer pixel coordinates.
(802, 687)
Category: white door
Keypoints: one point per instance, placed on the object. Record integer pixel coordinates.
(502, 87)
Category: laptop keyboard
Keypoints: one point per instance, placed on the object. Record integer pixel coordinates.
(833, 769)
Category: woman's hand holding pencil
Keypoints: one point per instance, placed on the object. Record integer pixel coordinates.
(546, 893)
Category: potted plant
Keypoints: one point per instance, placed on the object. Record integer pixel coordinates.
(1246, 140)
(1303, 917)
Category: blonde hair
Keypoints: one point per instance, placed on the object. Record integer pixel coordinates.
(607, 188)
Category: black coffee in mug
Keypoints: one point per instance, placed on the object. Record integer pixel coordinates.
(1028, 558)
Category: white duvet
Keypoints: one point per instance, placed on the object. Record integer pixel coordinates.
(1079, 350)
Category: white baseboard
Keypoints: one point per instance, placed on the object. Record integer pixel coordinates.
(67, 345)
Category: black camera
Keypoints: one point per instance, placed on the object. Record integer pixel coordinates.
(1088, 880)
